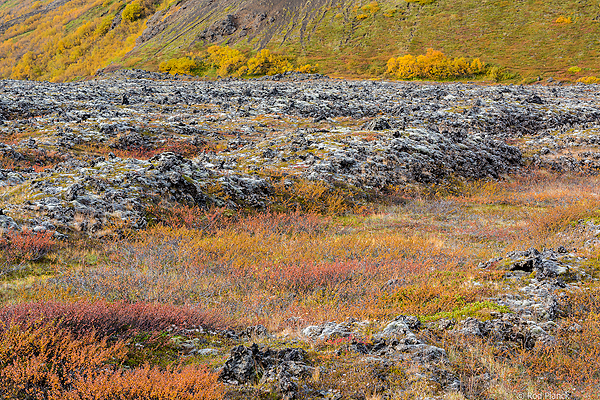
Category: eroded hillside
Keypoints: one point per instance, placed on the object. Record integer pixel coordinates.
(68, 39)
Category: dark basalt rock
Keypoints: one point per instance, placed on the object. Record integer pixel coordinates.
(253, 364)
(416, 134)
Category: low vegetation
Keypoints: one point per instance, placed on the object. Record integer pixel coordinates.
(74, 41)
(434, 65)
(121, 303)
(589, 79)
(225, 61)
(54, 356)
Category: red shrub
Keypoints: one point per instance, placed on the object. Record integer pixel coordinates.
(26, 245)
(190, 217)
(108, 319)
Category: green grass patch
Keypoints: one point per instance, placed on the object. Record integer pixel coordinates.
(478, 309)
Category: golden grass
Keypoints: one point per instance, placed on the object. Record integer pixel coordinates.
(419, 257)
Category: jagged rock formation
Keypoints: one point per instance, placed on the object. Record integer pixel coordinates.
(235, 135)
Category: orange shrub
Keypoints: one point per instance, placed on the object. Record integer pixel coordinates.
(312, 197)
(26, 245)
(152, 383)
(42, 360)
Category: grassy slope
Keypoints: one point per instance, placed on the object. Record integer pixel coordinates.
(523, 37)
(347, 38)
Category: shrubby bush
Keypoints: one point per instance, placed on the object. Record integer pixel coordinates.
(265, 63)
(41, 360)
(25, 246)
(433, 65)
(589, 79)
(563, 20)
(226, 61)
(183, 65)
(106, 319)
(132, 11)
(498, 74)
(76, 351)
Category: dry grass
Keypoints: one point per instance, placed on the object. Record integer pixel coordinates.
(290, 269)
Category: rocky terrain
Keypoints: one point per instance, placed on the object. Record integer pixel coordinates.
(526, 320)
(89, 157)
(98, 152)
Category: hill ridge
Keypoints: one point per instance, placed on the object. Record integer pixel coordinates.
(71, 39)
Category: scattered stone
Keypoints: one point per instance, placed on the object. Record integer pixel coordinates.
(253, 365)
(425, 134)
(8, 224)
(546, 264)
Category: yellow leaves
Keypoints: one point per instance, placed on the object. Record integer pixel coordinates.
(103, 27)
(371, 8)
(228, 61)
(308, 68)
(433, 65)
(265, 63)
(589, 80)
(132, 12)
(24, 69)
(225, 59)
(477, 66)
(70, 41)
(563, 20)
(261, 63)
(183, 65)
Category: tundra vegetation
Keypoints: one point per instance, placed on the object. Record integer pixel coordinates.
(279, 235)
(478, 284)
(68, 40)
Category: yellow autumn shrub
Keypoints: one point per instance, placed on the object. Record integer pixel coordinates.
(589, 80)
(563, 20)
(433, 65)
(228, 61)
(132, 11)
(225, 60)
(183, 65)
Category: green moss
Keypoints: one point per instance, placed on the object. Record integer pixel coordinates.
(478, 309)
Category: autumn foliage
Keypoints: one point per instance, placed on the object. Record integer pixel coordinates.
(76, 351)
(227, 61)
(106, 318)
(25, 245)
(73, 40)
(433, 65)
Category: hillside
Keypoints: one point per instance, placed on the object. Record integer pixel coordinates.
(68, 39)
